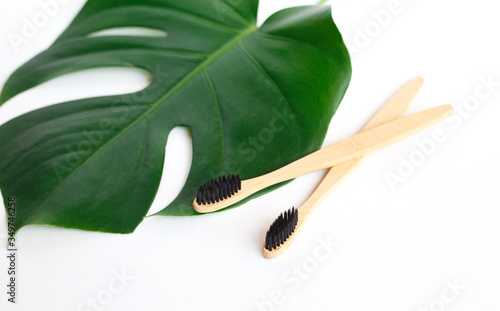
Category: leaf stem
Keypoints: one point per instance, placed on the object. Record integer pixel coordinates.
(321, 2)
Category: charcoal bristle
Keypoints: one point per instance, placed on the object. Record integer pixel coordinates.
(281, 229)
(218, 189)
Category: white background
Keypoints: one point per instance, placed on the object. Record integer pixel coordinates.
(398, 248)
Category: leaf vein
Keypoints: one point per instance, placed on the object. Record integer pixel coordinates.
(216, 101)
(266, 75)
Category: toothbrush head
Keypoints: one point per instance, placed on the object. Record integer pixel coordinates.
(280, 231)
(218, 189)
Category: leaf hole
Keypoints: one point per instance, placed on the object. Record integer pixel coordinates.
(130, 31)
(178, 157)
(87, 83)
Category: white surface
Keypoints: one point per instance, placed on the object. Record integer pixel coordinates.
(398, 249)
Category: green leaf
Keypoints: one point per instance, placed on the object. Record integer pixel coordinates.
(253, 99)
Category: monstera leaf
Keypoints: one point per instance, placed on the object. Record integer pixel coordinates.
(253, 98)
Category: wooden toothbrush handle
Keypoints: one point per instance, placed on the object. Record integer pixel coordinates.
(357, 146)
(394, 109)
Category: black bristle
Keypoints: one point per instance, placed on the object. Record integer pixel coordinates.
(238, 181)
(218, 189)
(281, 229)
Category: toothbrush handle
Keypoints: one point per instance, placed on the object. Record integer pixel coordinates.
(357, 146)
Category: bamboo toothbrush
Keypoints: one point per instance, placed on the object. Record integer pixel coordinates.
(223, 192)
(288, 225)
